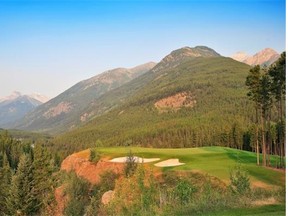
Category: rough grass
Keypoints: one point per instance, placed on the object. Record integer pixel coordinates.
(216, 161)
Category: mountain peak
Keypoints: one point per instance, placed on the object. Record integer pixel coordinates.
(185, 53)
(240, 56)
(16, 94)
(39, 97)
(198, 51)
(12, 96)
(268, 50)
(265, 57)
(15, 106)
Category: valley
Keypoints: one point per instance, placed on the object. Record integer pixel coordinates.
(191, 117)
(143, 108)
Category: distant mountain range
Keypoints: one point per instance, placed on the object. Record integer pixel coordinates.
(91, 98)
(16, 106)
(264, 57)
(16, 94)
(68, 109)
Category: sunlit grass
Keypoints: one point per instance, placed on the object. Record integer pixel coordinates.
(215, 161)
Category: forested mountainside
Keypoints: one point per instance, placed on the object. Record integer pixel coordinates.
(67, 110)
(186, 100)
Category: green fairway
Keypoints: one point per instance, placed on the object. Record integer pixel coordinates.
(268, 210)
(216, 161)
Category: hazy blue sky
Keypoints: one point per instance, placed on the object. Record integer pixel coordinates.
(48, 46)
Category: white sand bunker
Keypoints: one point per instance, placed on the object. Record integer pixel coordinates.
(137, 159)
(169, 163)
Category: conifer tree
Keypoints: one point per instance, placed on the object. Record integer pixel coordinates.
(253, 83)
(277, 72)
(43, 180)
(5, 178)
(266, 103)
(21, 199)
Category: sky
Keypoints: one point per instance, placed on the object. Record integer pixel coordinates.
(48, 46)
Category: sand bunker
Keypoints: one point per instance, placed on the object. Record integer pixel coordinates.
(169, 163)
(137, 160)
(166, 163)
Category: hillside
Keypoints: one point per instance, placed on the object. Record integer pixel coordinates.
(198, 101)
(66, 110)
(15, 107)
(204, 173)
(214, 161)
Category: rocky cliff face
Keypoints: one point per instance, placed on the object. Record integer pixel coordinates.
(90, 171)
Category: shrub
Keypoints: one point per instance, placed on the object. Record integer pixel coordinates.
(93, 207)
(135, 195)
(107, 181)
(130, 165)
(183, 191)
(239, 180)
(78, 193)
(94, 156)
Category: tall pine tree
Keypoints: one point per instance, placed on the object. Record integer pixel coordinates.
(21, 198)
(5, 178)
(277, 72)
(43, 169)
(253, 83)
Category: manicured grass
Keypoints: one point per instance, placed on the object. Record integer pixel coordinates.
(268, 210)
(216, 161)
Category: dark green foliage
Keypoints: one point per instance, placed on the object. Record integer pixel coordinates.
(43, 165)
(130, 165)
(253, 83)
(93, 208)
(239, 180)
(31, 189)
(277, 72)
(5, 179)
(22, 198)
(265, 98)
(75, 208)
(77, 191)
(107, 181)
(94, 155)
(263, 85)
(184, 191)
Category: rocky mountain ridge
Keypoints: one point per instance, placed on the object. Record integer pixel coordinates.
(15, 107)
(266, 57)
(176, 57)
(67, 109)
(16, 94)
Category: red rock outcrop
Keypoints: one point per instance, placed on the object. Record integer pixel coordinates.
(89, 170)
